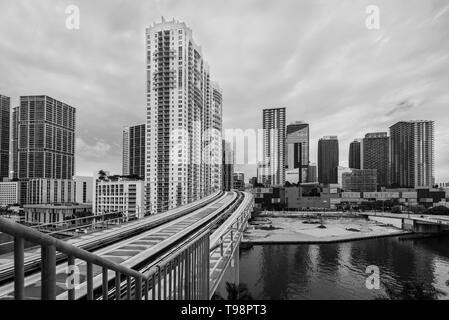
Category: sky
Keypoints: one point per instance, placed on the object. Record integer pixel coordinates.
(316, 58)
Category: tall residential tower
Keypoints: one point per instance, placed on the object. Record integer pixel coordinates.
(355, 152)
(5, 111)
(43, 147)
(412, 153)
(134, 151)
(183, 151)
(274, 156)
(376, 155)
(328, 160)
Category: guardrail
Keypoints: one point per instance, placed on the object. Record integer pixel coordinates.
(49, 246)
(230, 232)
(125, 230)
(184, 273)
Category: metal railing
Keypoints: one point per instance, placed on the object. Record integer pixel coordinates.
(183, 272)
(98, 221)
(227, 236)
(49, 247)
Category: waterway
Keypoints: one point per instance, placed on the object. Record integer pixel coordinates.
(338, 270)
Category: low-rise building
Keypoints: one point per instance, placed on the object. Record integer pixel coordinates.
(83, 189)
(269, 198)
(55, 213)
(360, 180)
(292, 176)
(119, 195)
(48, 191)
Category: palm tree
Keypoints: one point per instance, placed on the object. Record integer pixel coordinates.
(238, 291)
(102, 175)
(235, 292)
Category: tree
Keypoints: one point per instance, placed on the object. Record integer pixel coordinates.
(102, 175)
(235, 292)
(396, 209)
(419, 209)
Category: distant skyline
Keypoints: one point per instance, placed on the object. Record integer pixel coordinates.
(315, 58)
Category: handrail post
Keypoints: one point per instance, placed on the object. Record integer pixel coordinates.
(105, 283)
(146, 288)
(48, 275)
(19, 273)
(128, 287)
(138, 288)
(117, 285)
(90, 276)
(71, 264)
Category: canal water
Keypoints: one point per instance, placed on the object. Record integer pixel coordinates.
(411, 268)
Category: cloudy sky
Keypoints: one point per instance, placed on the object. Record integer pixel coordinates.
(316, 58)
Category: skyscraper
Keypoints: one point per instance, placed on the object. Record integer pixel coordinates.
(5, 107)
(125, 151)
(355, 154)
(298, 148)
(183, 117)
(213, 139)
(328, 160)
(134, 151)
(274, 147)
(44, 138)
(412, 153)
(228, 166)
(376, 155)
(43, 149)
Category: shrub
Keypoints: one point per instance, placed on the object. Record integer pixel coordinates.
(440, 210)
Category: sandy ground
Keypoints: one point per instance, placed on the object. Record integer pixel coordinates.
(294, 230)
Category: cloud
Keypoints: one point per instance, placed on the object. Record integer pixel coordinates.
(97, 151)
(314, 57)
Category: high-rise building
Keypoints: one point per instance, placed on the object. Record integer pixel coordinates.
(376, 155)
(43, 145)
(134, 151)
(213, 149)
(355, 154)
(45, 138)
(298, 148)
(125, 151)
(274, 147)
(228, 166)
(412, 153)
(183, 115)
(5, 111)
(328, 160)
